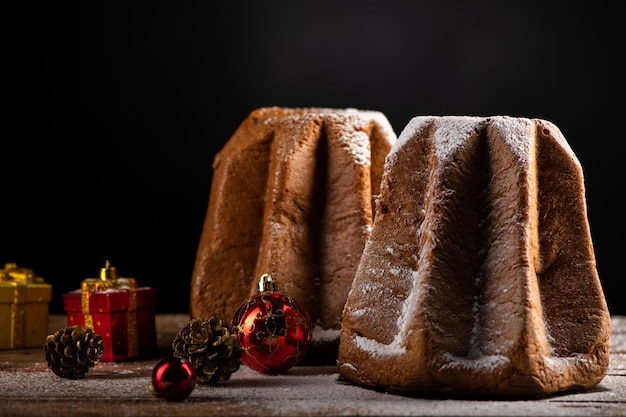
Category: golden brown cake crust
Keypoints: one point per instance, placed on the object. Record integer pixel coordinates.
(479, 277)
(291, 196)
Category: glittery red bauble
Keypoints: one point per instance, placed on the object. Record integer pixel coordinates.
(273, 330)
(173, 379)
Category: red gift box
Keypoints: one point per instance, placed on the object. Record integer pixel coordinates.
(115, 308)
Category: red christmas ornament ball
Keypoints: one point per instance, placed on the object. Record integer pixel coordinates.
(173, 379)
(273, 330)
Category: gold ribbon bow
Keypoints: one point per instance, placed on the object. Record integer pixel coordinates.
(12, 273)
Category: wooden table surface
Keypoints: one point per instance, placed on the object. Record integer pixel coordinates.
(29, 388)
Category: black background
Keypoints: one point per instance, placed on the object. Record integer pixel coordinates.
(112, 115)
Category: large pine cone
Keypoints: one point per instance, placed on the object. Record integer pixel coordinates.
(210, 347)
(73, 351)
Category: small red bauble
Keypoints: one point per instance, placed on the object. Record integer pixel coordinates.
(173, 379)
(273, 330)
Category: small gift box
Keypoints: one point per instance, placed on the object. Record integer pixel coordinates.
(118, 310)
(24, 305)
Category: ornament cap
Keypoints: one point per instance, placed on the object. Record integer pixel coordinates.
(267, 284)
(108, 272)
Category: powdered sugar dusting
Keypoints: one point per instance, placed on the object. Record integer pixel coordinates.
(451, 133)
(357, 145)
(490, 363)
(376, 348)
(410, 131)
(482, 363)
(403, 322)
(356, 139)
(559, 365)
(515, 132)
(360, 312)
(320, 334)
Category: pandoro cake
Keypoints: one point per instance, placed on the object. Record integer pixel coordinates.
(291, 196)
(479, 277)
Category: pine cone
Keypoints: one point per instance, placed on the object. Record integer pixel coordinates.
(73, 351)
(210, 347)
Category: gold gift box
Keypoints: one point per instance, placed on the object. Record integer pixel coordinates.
(24, 307)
